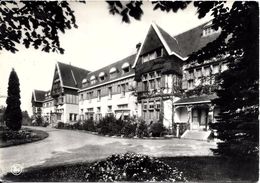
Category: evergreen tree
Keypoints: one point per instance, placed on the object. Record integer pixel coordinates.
(13, 113)
(238, 125)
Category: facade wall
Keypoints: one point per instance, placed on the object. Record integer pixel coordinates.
(106, 99)
(70, 112)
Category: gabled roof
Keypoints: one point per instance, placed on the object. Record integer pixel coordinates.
(192, 40)
(181, 45)
(38, 95)
(71, 76)
(106, 70)
(156, 37)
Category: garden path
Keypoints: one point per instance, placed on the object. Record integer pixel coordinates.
(67, 146)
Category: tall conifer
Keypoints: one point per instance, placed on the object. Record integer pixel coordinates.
(13, 113)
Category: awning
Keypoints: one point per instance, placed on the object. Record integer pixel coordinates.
(125, 65)
(101, 74)
(112, 70)
(195, 100)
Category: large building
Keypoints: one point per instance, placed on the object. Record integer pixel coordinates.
(155, 84)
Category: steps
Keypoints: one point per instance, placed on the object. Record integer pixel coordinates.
(196, 134)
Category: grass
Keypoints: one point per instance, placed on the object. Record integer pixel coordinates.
(194, 169)
(25, 135)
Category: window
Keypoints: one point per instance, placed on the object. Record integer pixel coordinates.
(123, 90)
(158, 83)
(92, 80)
(152, 84)
(207, 71)
(122, 106)
(90, 96)
(215, 69)
(98, 109)
(190, 84)
(224, 67)
(118, 89)
(198, 73)
(190, 75)
(109, 108)
(99, 95)
(153, 55)
(144, 106)
(109, 92)
(145, 85)
(126, 67)
(113, 72)
(81, 96)
(101, 76)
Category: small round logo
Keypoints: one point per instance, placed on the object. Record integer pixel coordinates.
(16, 169)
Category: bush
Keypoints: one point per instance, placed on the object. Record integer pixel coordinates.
(129, 129)
(142, 129)
(109, 125)
(45, 124)
(132, 167)
(76, 126)
(157, 129)
(89, 125)
(60, 125)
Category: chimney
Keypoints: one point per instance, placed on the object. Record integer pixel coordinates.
(138, 45)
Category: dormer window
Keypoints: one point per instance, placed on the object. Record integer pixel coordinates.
(101, 76)
(112, 72)
(84, 82)
(126, 67)
(92, 80)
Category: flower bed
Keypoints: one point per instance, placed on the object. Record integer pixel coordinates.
(25, 135)
(132, 167)
(195, 169)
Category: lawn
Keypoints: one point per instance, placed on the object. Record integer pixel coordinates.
(25, 135)
(194, 169)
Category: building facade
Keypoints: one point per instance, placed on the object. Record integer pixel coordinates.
(156, 84)
(109, 91)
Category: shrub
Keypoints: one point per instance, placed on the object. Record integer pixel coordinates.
(157, 129)
(16, 135)
(109, 125)
(76, 126)
(129, 129)
(45, 124)
(60, 125)
(89, 125)
(142, 129)
(132, 167)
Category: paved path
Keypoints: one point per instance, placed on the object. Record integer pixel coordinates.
(67, 146)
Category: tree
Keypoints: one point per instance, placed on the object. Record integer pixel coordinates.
(34, 24)
(238, 125)
(13, 113)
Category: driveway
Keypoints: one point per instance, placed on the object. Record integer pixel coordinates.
(67, 146)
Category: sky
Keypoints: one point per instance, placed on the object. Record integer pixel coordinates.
(99, 40)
